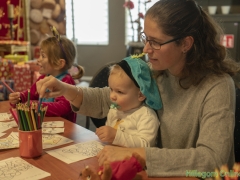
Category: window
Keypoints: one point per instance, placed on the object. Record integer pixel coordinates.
(87, 21)
(132, 34)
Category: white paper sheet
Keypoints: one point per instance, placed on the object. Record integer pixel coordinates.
(53, 140)
(5, 116)
(18, 169)
(9, 124)
(77, 152)
(2, 129)
(12, 141)
(52, 124)
(52, 130)
(2, 134)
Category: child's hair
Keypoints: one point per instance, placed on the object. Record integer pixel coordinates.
(51, 46)
(116, 69)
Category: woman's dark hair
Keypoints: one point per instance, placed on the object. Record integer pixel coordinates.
(182, 18)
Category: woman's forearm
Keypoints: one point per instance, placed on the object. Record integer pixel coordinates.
(74, 95)
(140, 151)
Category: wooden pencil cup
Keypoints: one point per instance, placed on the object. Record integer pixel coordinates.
(30, 143)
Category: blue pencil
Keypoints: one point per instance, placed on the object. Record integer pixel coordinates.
(39, 104)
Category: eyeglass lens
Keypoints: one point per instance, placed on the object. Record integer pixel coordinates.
(152, 43)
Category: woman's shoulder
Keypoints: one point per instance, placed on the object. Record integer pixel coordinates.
(217, 83)
(224, 79)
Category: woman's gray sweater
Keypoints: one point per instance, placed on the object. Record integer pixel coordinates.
(196, 125)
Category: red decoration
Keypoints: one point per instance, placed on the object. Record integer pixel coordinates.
(17, 20)
(6, 69)
(128, 4)
(22, 77)
(141, 15)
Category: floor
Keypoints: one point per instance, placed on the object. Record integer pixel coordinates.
(81, 120)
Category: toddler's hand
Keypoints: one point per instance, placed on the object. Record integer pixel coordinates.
(106, 133)
(14, 97)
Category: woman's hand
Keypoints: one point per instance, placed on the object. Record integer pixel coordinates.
(14, 98)
(50, 87)
(113, 153)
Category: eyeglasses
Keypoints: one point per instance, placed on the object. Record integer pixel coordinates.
(155, 45)
(57, 36)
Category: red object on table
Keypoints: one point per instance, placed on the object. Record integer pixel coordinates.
(126, 169)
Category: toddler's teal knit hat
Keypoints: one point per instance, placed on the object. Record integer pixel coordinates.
(141, 74)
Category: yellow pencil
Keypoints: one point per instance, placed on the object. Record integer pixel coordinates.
(33, 119)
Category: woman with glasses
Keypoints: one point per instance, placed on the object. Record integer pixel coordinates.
(193, 72)
(57, 56)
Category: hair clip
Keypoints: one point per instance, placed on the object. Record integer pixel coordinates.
(55, 32)
(57, 36)
(137, 55)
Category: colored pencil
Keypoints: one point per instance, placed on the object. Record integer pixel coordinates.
(33, 119)
(30, 125)
(39, 104)
(28, 97)
(14, 114)
(7, 86)
(30, 115)
(23, 119)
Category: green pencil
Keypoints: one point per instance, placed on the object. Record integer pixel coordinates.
(28, 120)
(25, 128)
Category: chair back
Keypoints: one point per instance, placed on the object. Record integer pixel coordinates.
(100, 79)
(237, 127)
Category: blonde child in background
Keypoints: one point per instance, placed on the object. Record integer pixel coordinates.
(57, 55)
(131, 121)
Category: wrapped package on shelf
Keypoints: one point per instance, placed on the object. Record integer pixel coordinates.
(22, 77)
(6, 69)
(17, 58)
(34, 70)
(4, 92)
(33, 65)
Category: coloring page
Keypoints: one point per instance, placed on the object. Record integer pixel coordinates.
(2, 134)
(5, 116)
(77, 152)
(18, 169)
(52, 130)
(12, 141)
(53, 124)
(53, 140)
(9, 124)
